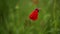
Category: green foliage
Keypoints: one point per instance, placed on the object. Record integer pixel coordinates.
(14, 17)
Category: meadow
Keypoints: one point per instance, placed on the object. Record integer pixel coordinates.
(14, 17)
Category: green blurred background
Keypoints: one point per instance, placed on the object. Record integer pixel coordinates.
(14, 17)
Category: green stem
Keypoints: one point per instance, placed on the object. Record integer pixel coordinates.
(54, 16)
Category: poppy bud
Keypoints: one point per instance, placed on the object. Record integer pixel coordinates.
(34, 15)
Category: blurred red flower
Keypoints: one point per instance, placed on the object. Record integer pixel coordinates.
(34, 15)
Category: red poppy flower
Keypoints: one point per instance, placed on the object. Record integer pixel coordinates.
(34, 15)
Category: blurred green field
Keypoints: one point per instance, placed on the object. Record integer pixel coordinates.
(14, 17)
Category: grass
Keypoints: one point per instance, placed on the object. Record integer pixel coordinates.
(14, 17)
